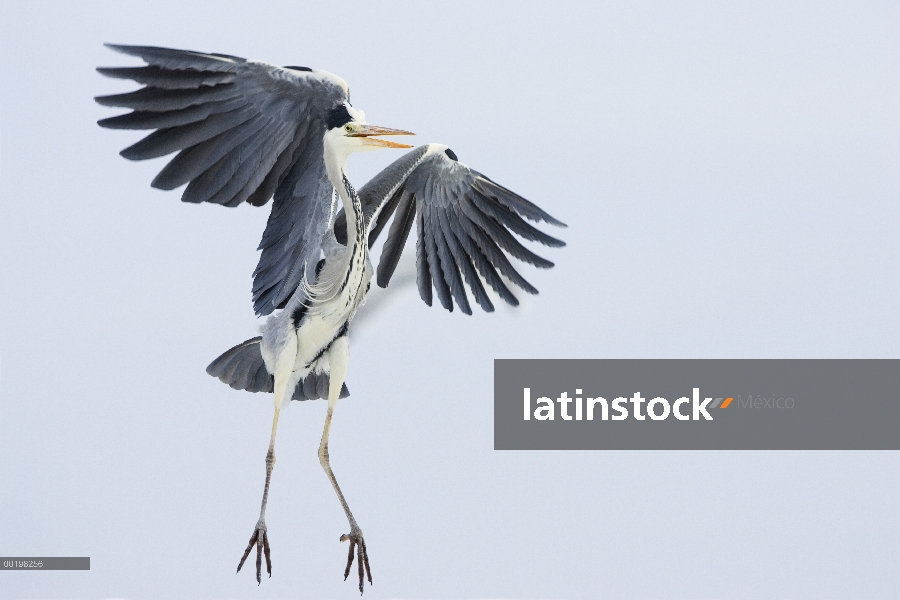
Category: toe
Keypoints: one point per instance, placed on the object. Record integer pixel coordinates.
(259, 549)
(349, 556)
(253, 539)
(266, 551)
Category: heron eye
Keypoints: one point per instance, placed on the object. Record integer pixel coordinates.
(348, 128)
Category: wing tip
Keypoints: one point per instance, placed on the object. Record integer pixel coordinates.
(541, 215)
(107, 100)
(136, 152)
(148, 53)
(159, 182)
(129, 49)
(557, 223)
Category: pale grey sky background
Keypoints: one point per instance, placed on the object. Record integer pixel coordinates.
(730, 177)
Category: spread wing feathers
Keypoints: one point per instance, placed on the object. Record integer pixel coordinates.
(244, 131)
(243, 368)
(464, 225)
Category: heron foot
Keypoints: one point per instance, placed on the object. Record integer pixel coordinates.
(260, 539)
(355, 537)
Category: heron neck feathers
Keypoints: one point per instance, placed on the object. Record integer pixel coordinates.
(347, 276)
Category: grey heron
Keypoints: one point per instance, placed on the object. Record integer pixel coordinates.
(248, 131)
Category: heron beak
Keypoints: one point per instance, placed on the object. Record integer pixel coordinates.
(367, 131)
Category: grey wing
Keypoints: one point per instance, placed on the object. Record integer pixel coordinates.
(244, 131)
(464, 225)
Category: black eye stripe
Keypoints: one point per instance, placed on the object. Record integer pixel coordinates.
(337, 117)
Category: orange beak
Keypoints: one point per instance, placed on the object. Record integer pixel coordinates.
(367, 131)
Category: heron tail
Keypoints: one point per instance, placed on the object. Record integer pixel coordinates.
(243, 368)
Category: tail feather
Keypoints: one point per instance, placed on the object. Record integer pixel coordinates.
(243, 368)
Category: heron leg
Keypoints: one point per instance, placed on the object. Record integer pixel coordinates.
(338, 359)
(260, 537)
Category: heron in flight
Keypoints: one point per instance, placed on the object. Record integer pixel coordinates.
(247, 131)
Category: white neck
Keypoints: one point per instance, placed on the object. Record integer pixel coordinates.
(335, 166)
(347, 275)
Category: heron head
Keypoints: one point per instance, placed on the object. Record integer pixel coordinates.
(348, 131)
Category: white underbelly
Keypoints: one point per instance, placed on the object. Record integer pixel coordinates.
(316, 333)
(322, 326)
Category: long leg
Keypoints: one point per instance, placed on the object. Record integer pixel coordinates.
(260, 537)
(339, 356)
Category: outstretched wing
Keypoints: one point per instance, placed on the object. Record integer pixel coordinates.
(244, 130)
(463, 222)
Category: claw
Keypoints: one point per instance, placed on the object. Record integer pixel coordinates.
(362, 558)
(253, 539)
(259, 548)
(359, 563)
(266, 550)
(260, 539)
(365, 556)
(349, 554)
